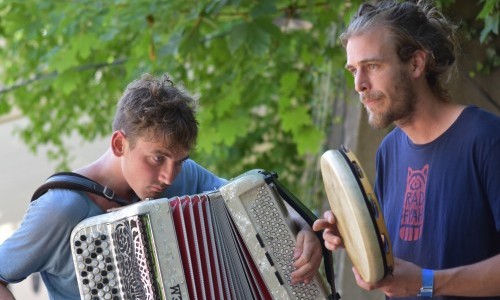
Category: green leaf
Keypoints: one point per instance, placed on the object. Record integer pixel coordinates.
(491, 16)
(5, 107)
(294, 118)
(83, 44)
(288, 83)
(65, 83)
(309, 141)
(230, 129)
(491, 25)
(208, 140)
(258, 38)
(191, 40)
(64, 59)
(488, 9)
(238, 37)
(230, 100)
(263, 8)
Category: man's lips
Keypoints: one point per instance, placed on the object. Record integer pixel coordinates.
(370, 99)
(369, 103)
(157, 189)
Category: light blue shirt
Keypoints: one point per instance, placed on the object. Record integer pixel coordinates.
(42, 241)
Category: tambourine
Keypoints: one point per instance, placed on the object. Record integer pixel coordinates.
(358, 216)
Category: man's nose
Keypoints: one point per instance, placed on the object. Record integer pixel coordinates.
(361, 82)
(167, 174)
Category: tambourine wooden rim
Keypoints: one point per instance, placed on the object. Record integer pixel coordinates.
(359, 218)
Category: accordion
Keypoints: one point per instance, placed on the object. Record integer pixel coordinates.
(236, 242)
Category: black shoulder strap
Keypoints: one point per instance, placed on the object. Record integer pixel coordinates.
(74, 181)
(309, 217)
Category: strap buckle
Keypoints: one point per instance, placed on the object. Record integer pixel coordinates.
(109, 193)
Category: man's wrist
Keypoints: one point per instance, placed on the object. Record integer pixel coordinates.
(427, 288)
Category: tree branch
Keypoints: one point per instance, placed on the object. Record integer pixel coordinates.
(54, 74)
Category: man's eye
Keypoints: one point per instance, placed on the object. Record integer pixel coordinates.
(158, 159)
(372, 67)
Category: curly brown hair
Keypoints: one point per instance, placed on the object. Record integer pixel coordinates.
(156, 109)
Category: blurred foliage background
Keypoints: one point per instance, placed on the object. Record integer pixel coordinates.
(266, 73)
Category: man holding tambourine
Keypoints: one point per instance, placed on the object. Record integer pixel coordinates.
(437, 234)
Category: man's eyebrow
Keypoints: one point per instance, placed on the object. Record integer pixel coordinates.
(364, 62)
(167, 154)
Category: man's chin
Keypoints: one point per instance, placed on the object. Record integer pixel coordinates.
(377, 122)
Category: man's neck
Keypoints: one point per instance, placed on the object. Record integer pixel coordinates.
(106, 171)
(431, 118)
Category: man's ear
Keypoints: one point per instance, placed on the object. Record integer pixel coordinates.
(418, 63)
(118, 142)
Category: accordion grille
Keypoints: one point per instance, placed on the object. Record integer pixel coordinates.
(114, 263)
(275, 232)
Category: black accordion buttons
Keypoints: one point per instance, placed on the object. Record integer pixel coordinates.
(94, 263)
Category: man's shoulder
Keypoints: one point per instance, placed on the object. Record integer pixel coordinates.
(63, 203)
(480, 117)
(479, 125)
(62, 196)
(193, 179)
(191, 170)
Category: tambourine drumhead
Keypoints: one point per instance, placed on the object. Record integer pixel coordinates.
(358, 216)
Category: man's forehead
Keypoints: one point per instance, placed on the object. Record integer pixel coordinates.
(170, 150)
(371, 45)
(163, 146)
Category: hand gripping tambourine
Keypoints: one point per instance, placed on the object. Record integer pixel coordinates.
(358, 216)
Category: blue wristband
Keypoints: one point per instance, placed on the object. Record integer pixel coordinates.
(427, 284)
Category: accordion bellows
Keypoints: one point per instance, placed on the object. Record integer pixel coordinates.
(233, 243)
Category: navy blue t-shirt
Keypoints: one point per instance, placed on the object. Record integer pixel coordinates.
(441, 200)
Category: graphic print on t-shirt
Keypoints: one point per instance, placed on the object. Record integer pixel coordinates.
(412, 215)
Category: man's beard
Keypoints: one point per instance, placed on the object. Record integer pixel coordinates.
(401, 105)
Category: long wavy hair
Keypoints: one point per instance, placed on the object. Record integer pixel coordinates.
(415, 25)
